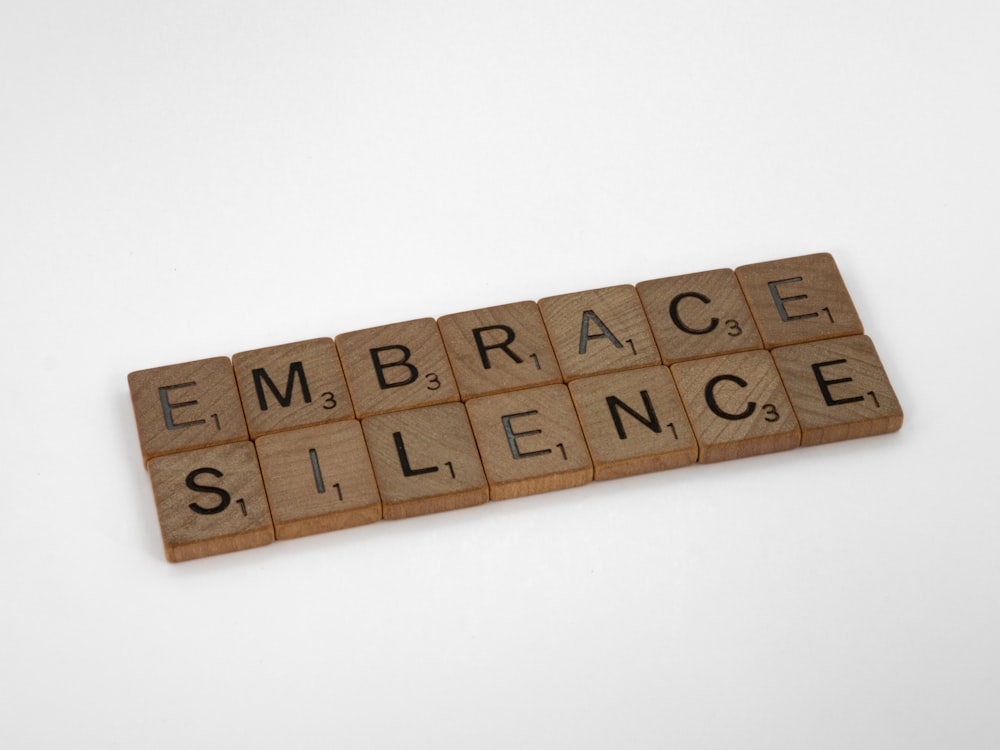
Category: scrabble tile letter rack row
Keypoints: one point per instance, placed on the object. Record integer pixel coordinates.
(431, 415)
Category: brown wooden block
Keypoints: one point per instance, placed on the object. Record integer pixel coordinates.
(737, 405)
(425, 460)
(397, 366)
(210, 501)
(292, 385)
(597, 331)
(318, 479)
(634, 422)
(186, 406)
(839, 389)
(699, 315)
(800, 299)
(499, 349)
(530, 441)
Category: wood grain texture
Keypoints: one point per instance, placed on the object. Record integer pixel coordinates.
(292, 385)
(530, 441)
(186, 406)
(318, 479)
(737, 405)
(425, 460)
(699, 315)
(598, 331)
(839, 389)
(210, 501)
(634, 422)
(799, 299)
(396, 366)
(498, 349)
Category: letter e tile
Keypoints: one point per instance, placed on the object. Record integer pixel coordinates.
(634, 422)
(530, 441)
(210, 501)
(737, 406)
(397, 366)
(800, 299)
(292, 385)
(318, 479)
(186, 406)
(839, 389)
(425, 460)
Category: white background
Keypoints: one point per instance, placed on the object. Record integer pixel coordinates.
(186, 179)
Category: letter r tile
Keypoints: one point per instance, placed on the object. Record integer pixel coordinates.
(292, 385)
(318, 479)
(530, 441)
(499, 349)
(425, 460)
(186, 406)
(210, 501)
(396, 366)
(737, 405)
(839, 389)
(800, 299)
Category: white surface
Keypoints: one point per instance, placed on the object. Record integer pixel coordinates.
(182, 180)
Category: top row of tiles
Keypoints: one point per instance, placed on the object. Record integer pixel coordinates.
(521, 345)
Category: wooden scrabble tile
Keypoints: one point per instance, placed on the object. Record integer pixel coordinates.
(499, 349)
(737, 405)
(397, 366)
(425, 460)
(318, 479)
(597, 331)
(210, 501)
(800, 299)
(292, 385)
(634, 422)
(186, 406)
(698, 315)
(530, 441)
(839, 389)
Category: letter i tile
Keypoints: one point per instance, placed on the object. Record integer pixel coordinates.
(318, 479)
(425, 460)
(210, 501)
(839, 389)
(737, 406)
(634, 422)
(397, 366)
(186, 406)
(530, 441)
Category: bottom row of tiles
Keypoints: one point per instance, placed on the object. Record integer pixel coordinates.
(343, 474)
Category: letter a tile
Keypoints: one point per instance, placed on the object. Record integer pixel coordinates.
(425, 460)
(186, 406)
(292, 385)
(318, 479)
(737, 405)
(600, 330)
(839, 389)
(530, 441)
(801, 299)
(634, 422)
(210, 501)
(397, 366)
